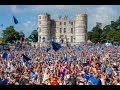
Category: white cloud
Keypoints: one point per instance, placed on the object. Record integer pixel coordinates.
(28, 27)
(13, 8)
(28, 22)
(60, 6)
(103, 14)
(96, 13)
(16, 9)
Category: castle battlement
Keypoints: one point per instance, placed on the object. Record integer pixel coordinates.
(63, 18)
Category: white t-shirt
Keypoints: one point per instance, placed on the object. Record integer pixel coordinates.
(67, 76)
(102, 81)
(118, 84)
(1, 55)
(45, 77)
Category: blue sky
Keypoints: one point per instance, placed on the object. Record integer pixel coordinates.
(27, 14)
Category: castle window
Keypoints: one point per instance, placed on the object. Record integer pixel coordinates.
(72, 30)
(71, 23)
(39, 17)
(60, 30)
(40, 38)
(62, 40)
(60, 23)
(53, 23)
(64, 23)
(43, 39)
(39, 29)
(46, 17)
(64, 30)
(71, 38)
(39, 22)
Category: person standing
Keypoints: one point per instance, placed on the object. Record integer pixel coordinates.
(54, 81)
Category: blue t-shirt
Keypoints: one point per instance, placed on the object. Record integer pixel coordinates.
(4, 82)
(28, 64)
(110, 71)
(65, 58)
(32, 74)
(93, 80)
(86, 77)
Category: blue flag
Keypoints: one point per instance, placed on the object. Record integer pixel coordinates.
(25, 58)
(48, 49)
(5, 55)
(56, 46)
(15, 20)
(1, 25)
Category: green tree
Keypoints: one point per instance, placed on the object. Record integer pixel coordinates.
(95, 35)
(112, 31)
(34, 36)
(113, 35)
(109, 32)
(106, 29)
(10, 35)
(89, 34)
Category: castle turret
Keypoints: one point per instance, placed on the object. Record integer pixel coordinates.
(43, 27)
(80, 28)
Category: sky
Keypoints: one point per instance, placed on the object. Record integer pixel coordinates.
(27, 15)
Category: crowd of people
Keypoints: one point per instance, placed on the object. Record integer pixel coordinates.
(73, 65)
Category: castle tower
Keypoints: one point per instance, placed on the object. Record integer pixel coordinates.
(80, 28)
(43, 27)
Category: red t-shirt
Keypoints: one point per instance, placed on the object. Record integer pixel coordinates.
(70, 71)
(54, 83)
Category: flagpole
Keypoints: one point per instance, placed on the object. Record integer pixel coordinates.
(15, 21)
(1, 31)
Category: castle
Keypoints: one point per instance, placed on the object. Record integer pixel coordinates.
(62, 30)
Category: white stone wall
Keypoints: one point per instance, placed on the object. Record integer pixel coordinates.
(44, 27)
(80, 28)
(66, 35)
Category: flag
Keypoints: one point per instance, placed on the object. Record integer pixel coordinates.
(48, 49)
(25, 58)
(1, 25)
(56, 46)
(5, 55)
(12, 55)
(15, 20)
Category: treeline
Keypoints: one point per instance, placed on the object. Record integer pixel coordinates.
(97, 34)
(10, 35)
(109, 32)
